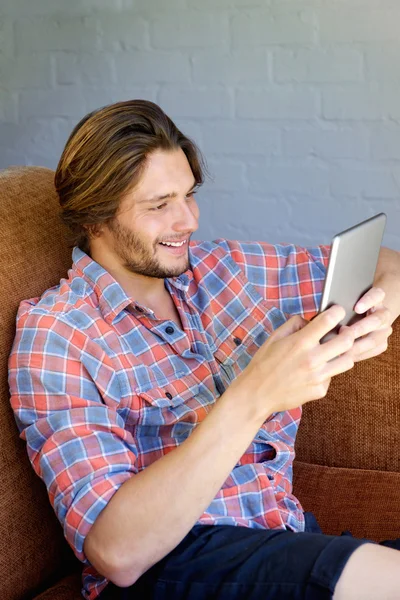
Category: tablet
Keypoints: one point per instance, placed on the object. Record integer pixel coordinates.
(351, 269)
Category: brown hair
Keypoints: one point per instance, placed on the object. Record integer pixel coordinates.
(105, 156)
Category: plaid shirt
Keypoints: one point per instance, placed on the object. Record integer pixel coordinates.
(101, 387)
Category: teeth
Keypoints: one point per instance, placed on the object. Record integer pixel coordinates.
(177, 244)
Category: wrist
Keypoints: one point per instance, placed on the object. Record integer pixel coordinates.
(243, 395)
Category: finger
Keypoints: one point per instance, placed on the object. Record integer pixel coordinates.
(323, 323)
(291, 326)
(338, 365)
(373, 322)
(368, 343)
(374, 352)
(323, 353)
(373, 297)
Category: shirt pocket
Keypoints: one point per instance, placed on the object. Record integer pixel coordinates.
(169, 413)
(172, 395)
(235, 352)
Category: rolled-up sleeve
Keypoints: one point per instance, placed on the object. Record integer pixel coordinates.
(65, 396)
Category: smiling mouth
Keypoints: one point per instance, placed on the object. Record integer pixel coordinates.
(174, 244)
(178, 249)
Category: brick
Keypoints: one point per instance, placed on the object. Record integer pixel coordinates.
(355, 25)
(85, 69)
(124, 31)
(354, 103)
(27, 72)
(11, 158)
(191, 129)
(10, 134)
(244, 138)
(363, 182)
(276, 104)
(318, 66)
(226, 175)
(56, 7)
(152, 5)
(99, 97)
(190, 29)
(38, 135)
(298, 180)
(269, 27)
(67, 102)
(41, 159)
(385, 143)
(8, 106)
(391, 96)
(46, 34)
(318, 221)
(152, 67)
(392, 209)
(197, 103)
(6, 37)
(223, 214)
(238, 67)
(229, 3)
(63, 127)
(264, 222)
(342, 143)
(382, 64)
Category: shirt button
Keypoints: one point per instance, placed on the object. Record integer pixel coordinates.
(169, 396)
(237, 341)
(170, 330)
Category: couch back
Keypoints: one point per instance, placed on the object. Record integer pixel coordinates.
(357, 426)
(34, 256)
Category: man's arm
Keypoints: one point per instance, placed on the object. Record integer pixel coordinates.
(387, 278)
(152, 512)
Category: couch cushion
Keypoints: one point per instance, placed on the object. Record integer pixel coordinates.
(364, 502)
(69, 588)
(34, 256)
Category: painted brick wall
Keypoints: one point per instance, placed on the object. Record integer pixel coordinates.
(296, 104)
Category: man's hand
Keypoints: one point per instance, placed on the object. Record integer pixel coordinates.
(373, 331)
(292, 367)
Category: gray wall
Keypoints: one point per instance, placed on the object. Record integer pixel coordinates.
(296, 104)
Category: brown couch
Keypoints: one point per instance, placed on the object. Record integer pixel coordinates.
(347, 468)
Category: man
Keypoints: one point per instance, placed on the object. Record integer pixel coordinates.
(159, 388)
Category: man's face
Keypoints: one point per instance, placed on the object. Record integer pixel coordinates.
(145, 219)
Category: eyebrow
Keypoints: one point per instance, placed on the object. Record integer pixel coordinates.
(170, 195)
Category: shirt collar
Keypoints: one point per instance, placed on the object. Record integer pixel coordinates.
(111, 296)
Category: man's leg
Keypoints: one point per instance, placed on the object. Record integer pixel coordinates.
(371, 572)
(233, 563)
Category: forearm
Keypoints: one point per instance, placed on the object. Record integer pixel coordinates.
(387, 277)
(153, 511)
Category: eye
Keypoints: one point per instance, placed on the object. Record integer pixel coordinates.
(159, 207)
(192, 193)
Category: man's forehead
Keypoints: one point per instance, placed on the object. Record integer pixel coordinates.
(166, 174)
(168, 193)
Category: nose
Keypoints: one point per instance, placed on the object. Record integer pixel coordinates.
(186, 216)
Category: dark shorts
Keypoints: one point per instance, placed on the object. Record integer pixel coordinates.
(231, 563)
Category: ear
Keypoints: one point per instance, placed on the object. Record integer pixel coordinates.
(94, 230)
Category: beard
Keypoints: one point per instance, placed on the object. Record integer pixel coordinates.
(138, 257)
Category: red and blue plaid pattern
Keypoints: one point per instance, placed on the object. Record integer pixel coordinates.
(101, 387)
